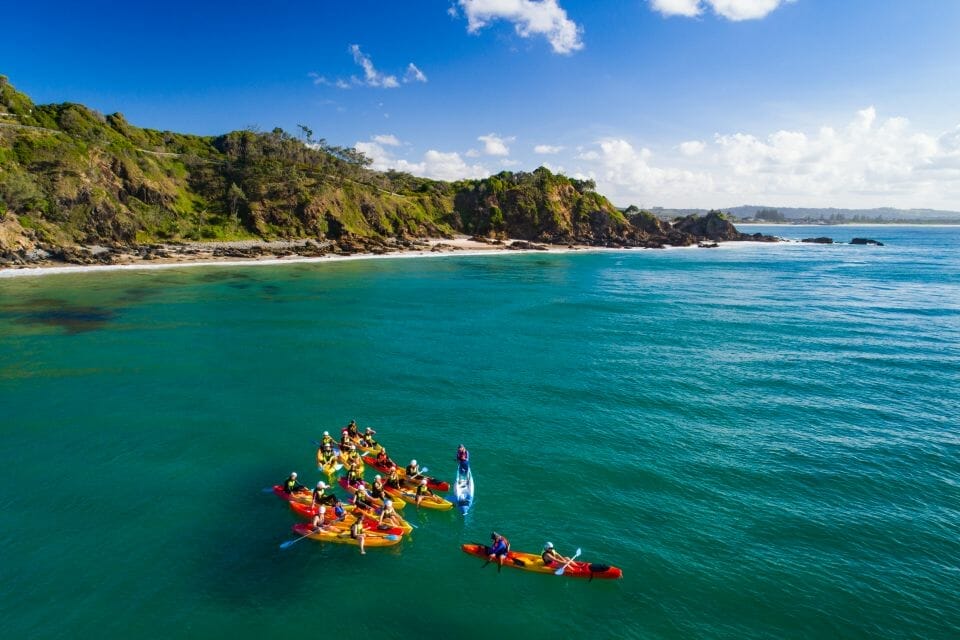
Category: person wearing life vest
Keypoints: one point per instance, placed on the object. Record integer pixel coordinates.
(352, 431)
(368, 438)
(361, 500)
(290, 485)
(383, 460)
(345, 440)
(413, 470)
(319, 496)
(338, 509)
(499, 549)
(463, 458)
(354, 458)
(423, 491)
(356, 532)
(327, 442)
(388, 515)
(326, 459)
(376, 490)
(550, 556)
(354, 476)
(393, 478)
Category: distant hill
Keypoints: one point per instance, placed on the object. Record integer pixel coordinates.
(823, 214)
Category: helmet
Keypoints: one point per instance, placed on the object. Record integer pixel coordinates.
(377, 477)
(322, 510)
(549, 545)
(424, 481)
(326, 433)
(388, 503)
(369, 430)
(293, 474)
(413, 462)
(321, 485)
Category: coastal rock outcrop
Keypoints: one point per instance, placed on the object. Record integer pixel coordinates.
(866, 241)
(819, 240)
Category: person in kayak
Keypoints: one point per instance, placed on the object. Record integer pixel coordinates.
(356, 532)
(383, 460)
(377, 489)
(550, 556)
(368, 439)
(463, 457)
(361, 500)
(499, 549)
(413, 470)
(327, 457)
(393, 478)
(423, 491)
(352, 430)
(290, 485)
(319, 523)
(327, 442)
(354, 476)
(389, 515)
(319, 496)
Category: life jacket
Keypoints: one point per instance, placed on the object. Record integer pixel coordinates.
(290, 485)
(356, 528)
(412, 471)
(423, 490)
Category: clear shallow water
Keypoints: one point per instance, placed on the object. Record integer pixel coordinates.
(763, 437)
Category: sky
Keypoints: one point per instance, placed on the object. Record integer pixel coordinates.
(673, 103)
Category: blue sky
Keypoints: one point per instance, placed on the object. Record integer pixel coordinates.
(700, 103)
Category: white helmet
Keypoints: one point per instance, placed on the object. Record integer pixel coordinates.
(326, 433)
(388, 503)
(321, 485)
(293, 474)
(322, 510)
(424, 481)
(413, 462)
(377, 477)
(549, 545)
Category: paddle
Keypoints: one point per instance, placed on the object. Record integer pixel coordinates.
(559, 572)
(288, 543)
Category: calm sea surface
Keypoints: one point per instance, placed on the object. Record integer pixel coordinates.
(764, 438)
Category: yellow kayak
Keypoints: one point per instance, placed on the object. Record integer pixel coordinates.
(371, 538)
(428, 502)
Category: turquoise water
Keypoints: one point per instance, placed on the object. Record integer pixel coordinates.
(764, 438)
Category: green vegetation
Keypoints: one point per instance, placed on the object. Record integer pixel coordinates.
(72, 175)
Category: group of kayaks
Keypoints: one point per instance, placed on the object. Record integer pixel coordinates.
(338, 521)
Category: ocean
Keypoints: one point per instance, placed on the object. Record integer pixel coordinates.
(764, 437)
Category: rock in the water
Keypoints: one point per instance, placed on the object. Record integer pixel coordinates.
(866, 241)
(820, 240)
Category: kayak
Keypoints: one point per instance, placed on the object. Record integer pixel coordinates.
(397, 504)
(432, 483)
(304, 495)
(371, 538)
(428, 502)
(533, 562)
(463, 491)
(330, 518)
(329, 468)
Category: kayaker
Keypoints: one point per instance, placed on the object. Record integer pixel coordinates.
(389, 515)
(463, 457)
(338, 509)
(356, 532)
(383, 460)
(319, 496)
(290, 485)
(499, 549)
(550, 556)
(319, 520)
(393, 478)
(354, 458)
(376, 490)
(353, 430)
(361, 500)
(327, 442)
(345, 440)
(326, 457)
(413, 470)
(368, 439)
(423, 491)
(354, 476)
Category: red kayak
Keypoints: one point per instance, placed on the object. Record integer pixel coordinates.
(304, 495)
(432, 483)
(533, 562)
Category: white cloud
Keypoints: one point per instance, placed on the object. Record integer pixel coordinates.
(868, 162)
(494, 145)
(371, 77)
(414, 74)
(734, 10)
(387, 139)
(692, 147)
(547, 149)
(472, 153)
(687, 8)
(435, 164)
(529, 17)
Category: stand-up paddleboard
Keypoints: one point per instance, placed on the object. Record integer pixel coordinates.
(463, 491)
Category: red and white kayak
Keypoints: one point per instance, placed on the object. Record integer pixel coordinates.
(432, 483)
(533, 562)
